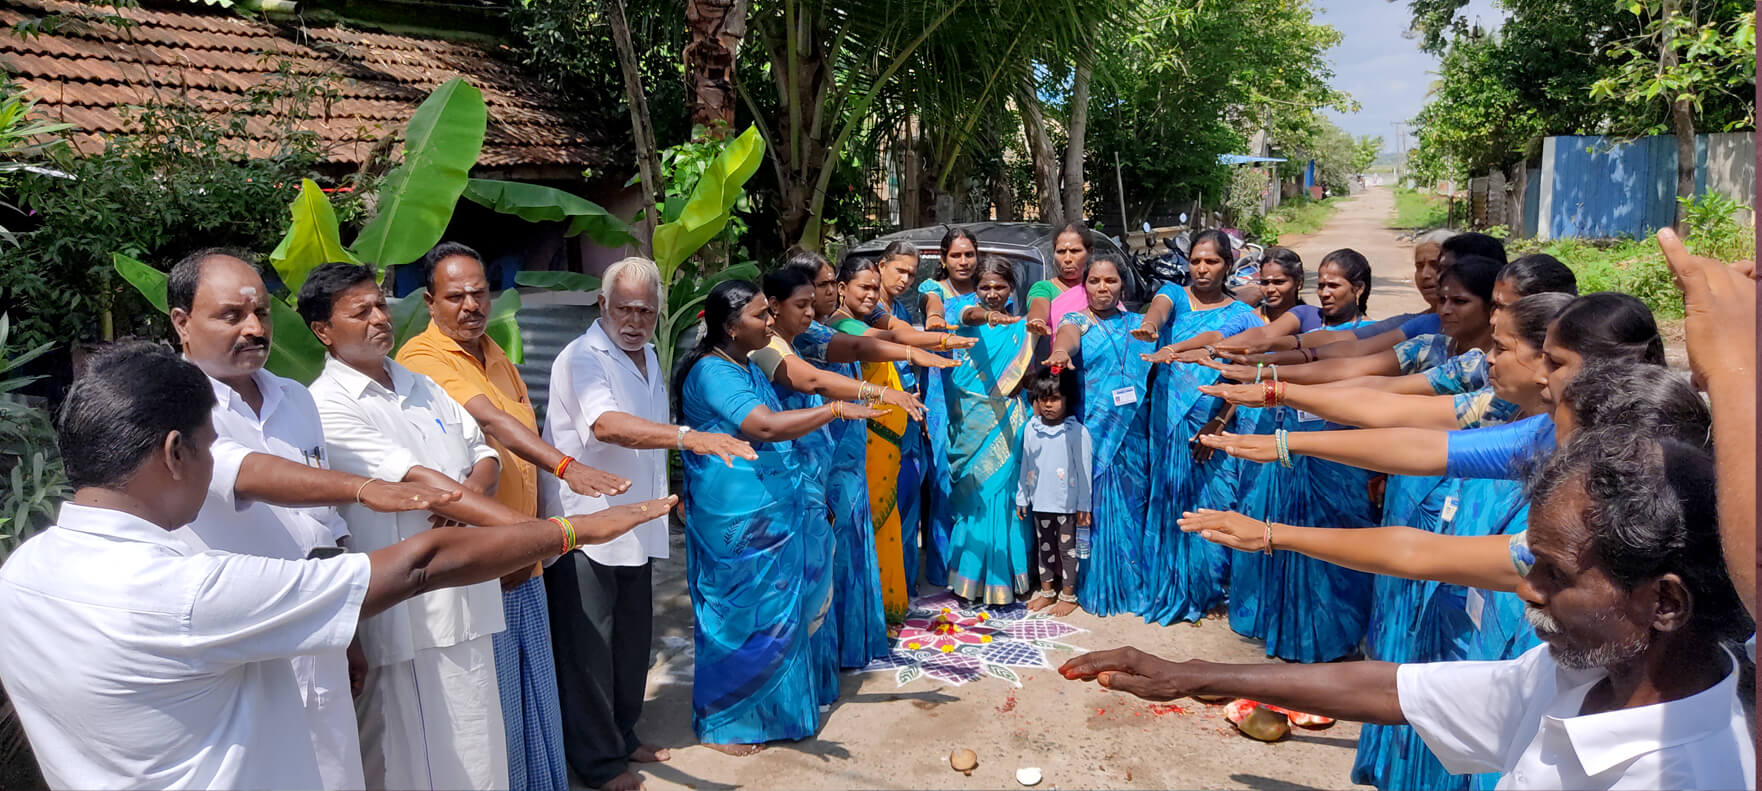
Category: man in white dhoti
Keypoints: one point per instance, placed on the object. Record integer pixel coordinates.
(429, 711)
(271, 495)
(136, 660)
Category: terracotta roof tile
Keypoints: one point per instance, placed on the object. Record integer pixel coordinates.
(88, 75)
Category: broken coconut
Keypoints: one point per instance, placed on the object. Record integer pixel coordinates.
(1212, 698)
(1028, 775)
(1257, 721)
(964, 761)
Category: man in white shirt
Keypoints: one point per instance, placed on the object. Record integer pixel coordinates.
(1634, 686)
(429, 711)
(136, 660)
(609, 409)
(271, 494)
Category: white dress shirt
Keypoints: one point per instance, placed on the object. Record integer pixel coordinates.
(591, 377)
(288, 427)
(380, 433)
(1521, 718)
(136, 661)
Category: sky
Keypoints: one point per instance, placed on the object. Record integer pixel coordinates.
(1384, 71)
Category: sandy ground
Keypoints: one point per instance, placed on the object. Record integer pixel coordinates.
(883, 735)
(1361, 223)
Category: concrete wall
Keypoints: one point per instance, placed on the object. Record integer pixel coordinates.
(1726, 164)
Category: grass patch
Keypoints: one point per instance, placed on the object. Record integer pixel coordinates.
(1415, 209)
(1299, 216)
(1635, 266)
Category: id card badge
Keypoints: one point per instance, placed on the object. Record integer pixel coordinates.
(1475, 603)
(1449, 512)
(1125, 395)
(1306, 417)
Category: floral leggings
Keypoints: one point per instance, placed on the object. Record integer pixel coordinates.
(1055, 537)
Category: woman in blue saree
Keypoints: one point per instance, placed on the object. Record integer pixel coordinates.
(756, 595)
(812, 361)
(988, 557)
(1185, 575)
(1115, 410)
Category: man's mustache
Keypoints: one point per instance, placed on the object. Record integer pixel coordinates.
(249, 344)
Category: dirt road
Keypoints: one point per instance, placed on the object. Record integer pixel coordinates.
(1361, 223)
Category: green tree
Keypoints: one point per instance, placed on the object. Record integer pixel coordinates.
(1475, 119)
(1366, 151)
(1689, 63)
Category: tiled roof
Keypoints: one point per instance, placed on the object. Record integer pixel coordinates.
(87, 75)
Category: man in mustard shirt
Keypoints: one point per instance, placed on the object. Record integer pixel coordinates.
(473, 370)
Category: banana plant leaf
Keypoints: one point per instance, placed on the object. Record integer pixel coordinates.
(409, 317)
(503, 326)
(147, 280)
(312, 239)
(707, 211)
(538, 203)
(417, 198)
(294, 352)
(557, 281)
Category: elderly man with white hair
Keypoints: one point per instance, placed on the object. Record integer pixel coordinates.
(609, 409)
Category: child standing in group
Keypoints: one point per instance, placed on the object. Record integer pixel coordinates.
(1054, 489)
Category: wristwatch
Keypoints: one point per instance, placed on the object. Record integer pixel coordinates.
(680, 441)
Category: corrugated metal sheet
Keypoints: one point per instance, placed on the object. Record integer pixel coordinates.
(1589, 188)
(545, 330)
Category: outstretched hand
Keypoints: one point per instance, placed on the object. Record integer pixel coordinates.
(1038, 326)
(711, 443)
(1239, 373)
(1059, 359)
(855, 411)
(589, 482)
(1244, 347)
(903, 400)
(1145, 332)
(1131, 671)
(389, 497)
(1253, 447)
(619, 519)
(1720, 306)
(1226, 528)
(1239, 394)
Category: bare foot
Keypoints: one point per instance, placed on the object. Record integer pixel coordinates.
(629, 781)
(650, 754)
(1062, 608)
(736, 750)
(1038, 603)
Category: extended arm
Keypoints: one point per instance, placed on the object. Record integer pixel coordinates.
(1155, 315)
(449, 557)
(979, 316)
(1321, 371)
(767, 426)
(529, 445)
(893, 330)
(802, 377)
(1065, 345)
(1319, 345)
(1410, 384)
(1397, 451)
(629, 431)
(272, 479)
(1395, 551)
(866, 348)
(1360, 691)
(933, 312)
(1350, 406)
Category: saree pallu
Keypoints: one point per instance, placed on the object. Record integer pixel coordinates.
(988, 559)
(756, 678)
(856, 619)
(814, 461)
(938, 512)
(1112, 579)
(1418, 502)
(1307, 610)
(914, 467)
(885, 436)
(1185, 574)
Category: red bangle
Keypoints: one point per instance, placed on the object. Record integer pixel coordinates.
(563, 466)
(1267, 397)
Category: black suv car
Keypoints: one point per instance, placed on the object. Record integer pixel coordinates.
(1027, 245)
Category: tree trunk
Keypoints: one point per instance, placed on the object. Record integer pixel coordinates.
(1003, 198)
(1045, 161)
(1074, 152)
(1681, 117)
(911, 201)
(648, 159)
(716, 28)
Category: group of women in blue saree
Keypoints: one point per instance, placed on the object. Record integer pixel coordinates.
(787, 580)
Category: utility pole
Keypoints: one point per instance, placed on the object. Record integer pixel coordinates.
(1400, 151)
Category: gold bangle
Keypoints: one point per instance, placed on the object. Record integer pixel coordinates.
(363, 488)
(837, 410)
(1269, 537)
